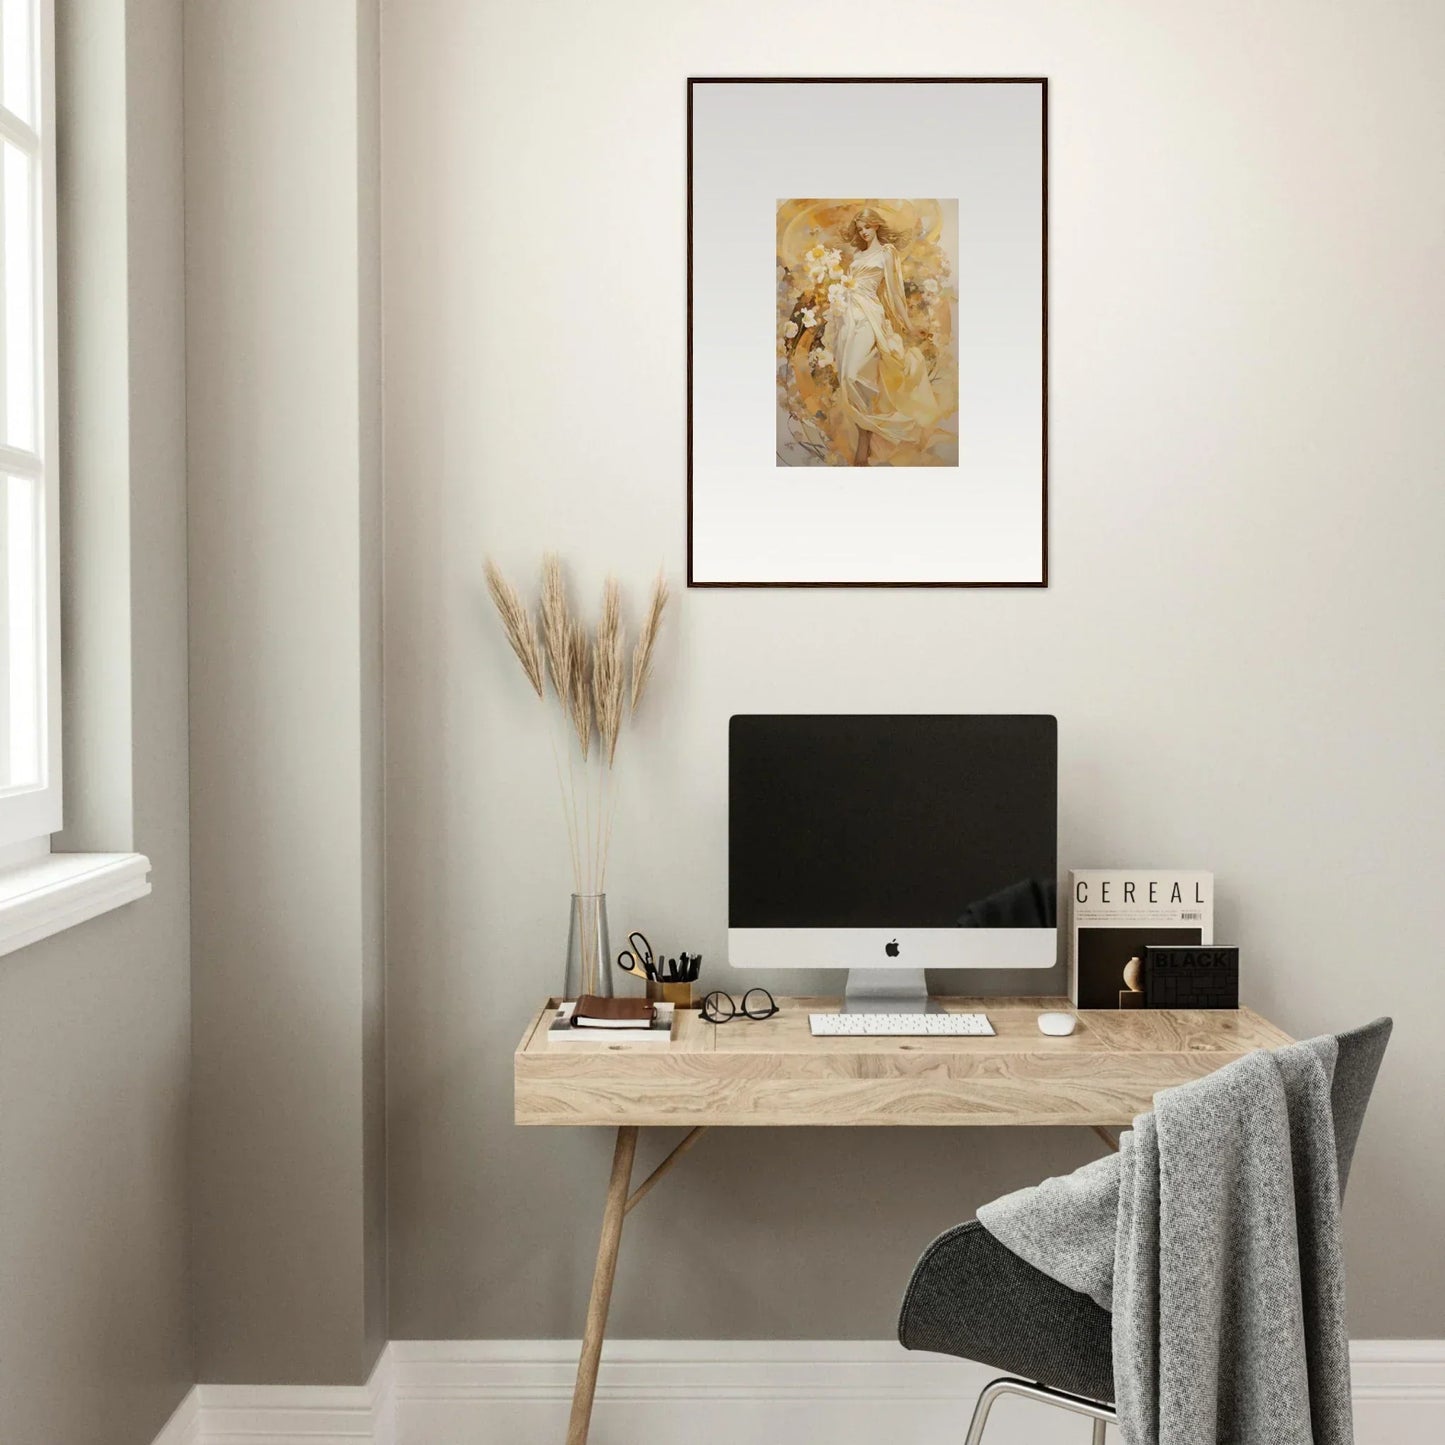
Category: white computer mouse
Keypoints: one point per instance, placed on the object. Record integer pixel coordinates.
(1057, 1024)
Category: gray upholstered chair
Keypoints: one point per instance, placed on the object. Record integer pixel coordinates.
(972, 1297)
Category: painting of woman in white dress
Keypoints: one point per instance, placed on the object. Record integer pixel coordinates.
(867, 370)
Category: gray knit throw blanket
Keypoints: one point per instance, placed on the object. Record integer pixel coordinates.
(1214, 1237)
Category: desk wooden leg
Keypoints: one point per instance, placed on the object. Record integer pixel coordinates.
(640, 1193)
(612, 1214)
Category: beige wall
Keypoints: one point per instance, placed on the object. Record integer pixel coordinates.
(1241, 639)
(283, 349)
(94, 1023)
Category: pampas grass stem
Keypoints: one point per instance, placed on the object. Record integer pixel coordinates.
(522, 633)
(647, 639)
(517, 624)
(594, 692)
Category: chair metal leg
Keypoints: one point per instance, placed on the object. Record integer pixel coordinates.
(1102, 1415)
(980, 1411)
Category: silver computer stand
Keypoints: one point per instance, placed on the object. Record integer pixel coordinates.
(887, 991)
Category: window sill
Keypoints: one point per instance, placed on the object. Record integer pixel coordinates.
(58, 891)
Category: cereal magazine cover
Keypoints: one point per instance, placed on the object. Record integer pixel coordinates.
(1115, 912)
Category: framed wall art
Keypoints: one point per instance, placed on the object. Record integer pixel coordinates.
(867, 332)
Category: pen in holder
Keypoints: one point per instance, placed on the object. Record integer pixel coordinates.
(675, 978)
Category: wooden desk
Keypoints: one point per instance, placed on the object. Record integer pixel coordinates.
(774, 1073)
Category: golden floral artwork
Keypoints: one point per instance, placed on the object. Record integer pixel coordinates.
(867, 359)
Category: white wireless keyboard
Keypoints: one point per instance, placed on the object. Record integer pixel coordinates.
(901, 1026)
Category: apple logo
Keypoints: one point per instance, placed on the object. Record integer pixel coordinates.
(891, 949)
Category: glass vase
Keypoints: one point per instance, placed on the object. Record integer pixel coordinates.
(589, 955)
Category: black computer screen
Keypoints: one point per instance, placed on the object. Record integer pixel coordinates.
(892, 822)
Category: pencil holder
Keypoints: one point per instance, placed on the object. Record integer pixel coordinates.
(677, 994)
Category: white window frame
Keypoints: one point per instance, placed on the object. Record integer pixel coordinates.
(43, 892)
(30, 814)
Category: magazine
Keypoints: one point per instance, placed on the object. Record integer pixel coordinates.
(1115, 912)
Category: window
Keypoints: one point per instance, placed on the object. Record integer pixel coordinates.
(41, 892)
(30, 798)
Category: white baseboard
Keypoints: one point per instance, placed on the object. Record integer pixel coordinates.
(292, 1414)
(1398, 1387)
(184, 1427)
(714, 1392)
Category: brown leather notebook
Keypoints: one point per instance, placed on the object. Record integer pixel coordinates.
(593, 1012)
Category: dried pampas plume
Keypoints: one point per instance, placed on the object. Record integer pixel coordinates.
(518, 625)
(646, 640)
(608, 671)
(555, 620)
(569, 659)
(579, 685)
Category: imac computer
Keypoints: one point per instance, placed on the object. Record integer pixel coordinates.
(887, 845)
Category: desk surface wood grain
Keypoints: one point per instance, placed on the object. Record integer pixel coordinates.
(774, 1073)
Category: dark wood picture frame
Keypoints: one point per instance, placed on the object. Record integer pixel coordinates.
(1042, 82)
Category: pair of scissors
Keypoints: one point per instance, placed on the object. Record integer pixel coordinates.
(637, 957)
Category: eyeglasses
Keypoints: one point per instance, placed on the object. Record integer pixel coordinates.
(719, 1007)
